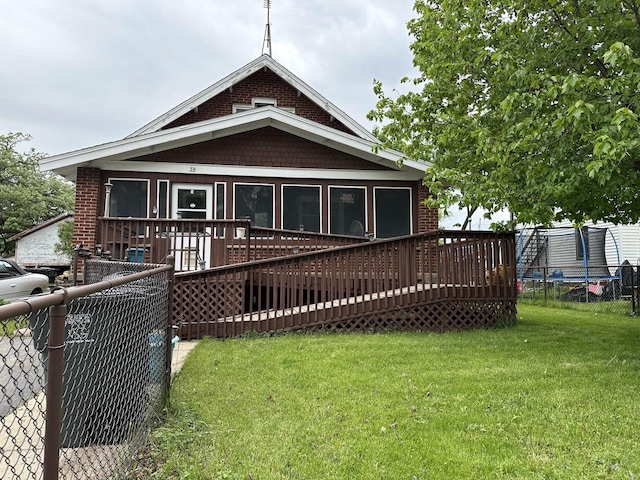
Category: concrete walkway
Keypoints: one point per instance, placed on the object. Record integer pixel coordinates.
(180, 352)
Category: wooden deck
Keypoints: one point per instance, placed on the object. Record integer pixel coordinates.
(435, 281)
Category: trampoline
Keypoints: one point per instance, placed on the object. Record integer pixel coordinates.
(572, 257)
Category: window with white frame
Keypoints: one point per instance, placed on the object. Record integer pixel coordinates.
(257, 102)
(255, 202)
(163, 199)
(191, 202)
(220, 205)
(129, 198)
(240, 107)
(221, 196)
(301, 207)
(392, 211)
(347, 210)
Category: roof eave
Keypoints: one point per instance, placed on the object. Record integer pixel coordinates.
(131, 147)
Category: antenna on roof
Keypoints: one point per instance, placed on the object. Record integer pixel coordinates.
(267, 30)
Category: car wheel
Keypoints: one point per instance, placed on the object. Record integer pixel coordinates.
(36, 291)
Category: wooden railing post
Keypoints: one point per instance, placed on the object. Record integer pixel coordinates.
(169, 328)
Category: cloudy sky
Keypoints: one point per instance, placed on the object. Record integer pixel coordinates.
(77, 73)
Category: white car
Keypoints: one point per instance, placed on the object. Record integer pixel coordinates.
(16, 283)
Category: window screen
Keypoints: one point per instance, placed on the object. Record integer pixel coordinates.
(393, 212)
(347, 211)
(129, 198)
(254, 202)
(301, 208)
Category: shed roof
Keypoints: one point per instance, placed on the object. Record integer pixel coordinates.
(42, 225)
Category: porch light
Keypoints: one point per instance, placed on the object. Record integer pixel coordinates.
(107, 198)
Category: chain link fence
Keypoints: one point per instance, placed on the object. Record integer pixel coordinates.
(594, 289)
(84, 373)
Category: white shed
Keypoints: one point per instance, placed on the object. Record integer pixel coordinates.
(36, 247)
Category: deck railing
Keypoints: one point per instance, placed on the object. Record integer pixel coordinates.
(309, 289)
(197, 244)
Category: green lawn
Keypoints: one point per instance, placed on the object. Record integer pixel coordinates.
(555, 397)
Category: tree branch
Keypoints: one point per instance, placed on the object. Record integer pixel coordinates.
(633, 6)
(601, 66)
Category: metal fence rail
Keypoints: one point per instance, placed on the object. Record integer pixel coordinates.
(84, 373)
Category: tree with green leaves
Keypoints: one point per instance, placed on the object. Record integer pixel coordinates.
(27, 195)
(528, 106)
(65, 239)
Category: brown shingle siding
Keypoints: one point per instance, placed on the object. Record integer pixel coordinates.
(265, 147)
(264, 84)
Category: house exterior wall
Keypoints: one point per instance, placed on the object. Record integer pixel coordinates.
(38, 248)
(267, 149)
(88, 193)
(264, 147)
(262, 84)
(427, 220)
(90, 196)
(423, 219)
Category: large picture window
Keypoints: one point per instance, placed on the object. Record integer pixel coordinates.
(301, 208)
(255, 202)
(129, 198)
(347, 211)
(393, 212)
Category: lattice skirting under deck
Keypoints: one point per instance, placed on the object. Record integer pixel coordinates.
(437, 316)
(441, 316)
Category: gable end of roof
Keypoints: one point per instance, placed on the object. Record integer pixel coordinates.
(264, 61)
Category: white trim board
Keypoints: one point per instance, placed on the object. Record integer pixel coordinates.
(250, 171)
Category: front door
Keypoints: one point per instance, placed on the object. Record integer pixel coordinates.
(192, 240)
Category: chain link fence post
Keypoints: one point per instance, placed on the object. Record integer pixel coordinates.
(83, 374)
(53, 417)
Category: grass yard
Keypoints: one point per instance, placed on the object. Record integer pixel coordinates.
(555, 397)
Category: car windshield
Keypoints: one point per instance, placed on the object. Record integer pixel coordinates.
(9, 269)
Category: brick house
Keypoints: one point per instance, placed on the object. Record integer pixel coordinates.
(260, 144)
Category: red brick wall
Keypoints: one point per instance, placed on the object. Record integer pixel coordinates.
(86, 207)
(265, 147)
(260, 84)
(427, 217)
